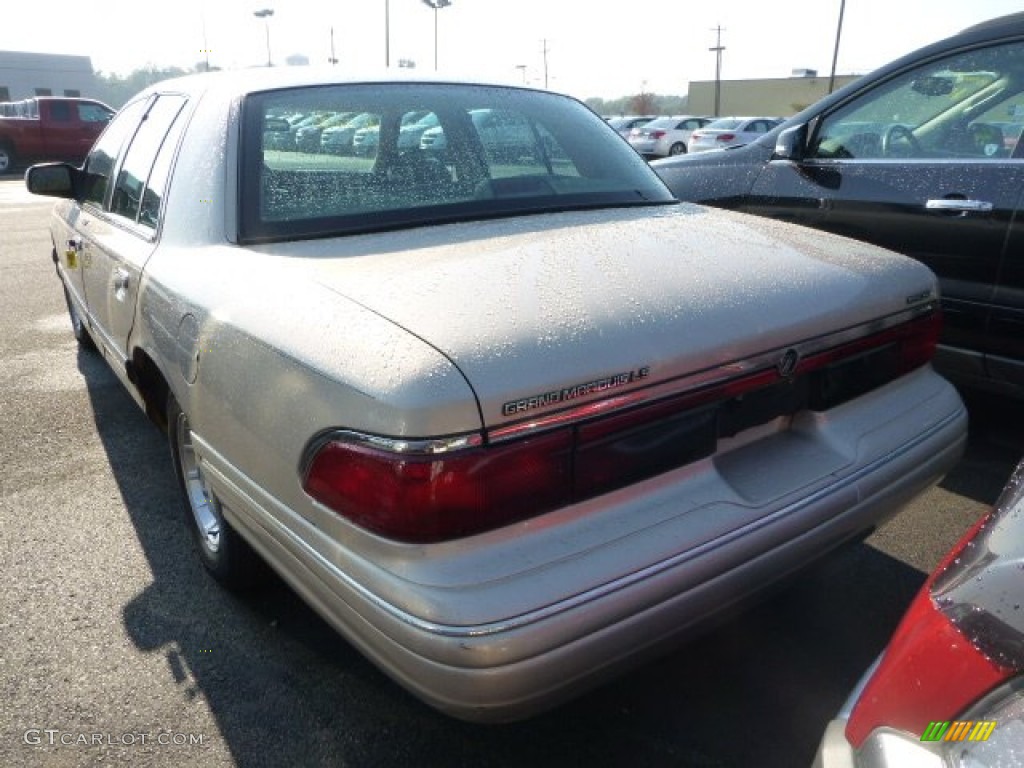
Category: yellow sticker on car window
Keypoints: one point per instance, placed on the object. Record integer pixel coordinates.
(72, 257)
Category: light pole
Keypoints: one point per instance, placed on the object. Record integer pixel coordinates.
(265, 14)
(522, 68)
(436, 5)
(835, 53)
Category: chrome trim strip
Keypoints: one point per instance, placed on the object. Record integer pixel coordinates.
(577, 601)
(429, 446)
(709, 377)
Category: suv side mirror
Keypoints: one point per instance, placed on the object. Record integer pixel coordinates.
(791, 144)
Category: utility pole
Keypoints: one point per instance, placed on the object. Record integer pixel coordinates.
(334, 59)
(718, 67)
(387, 34)
(835, 53)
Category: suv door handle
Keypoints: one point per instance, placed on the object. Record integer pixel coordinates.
(959, 206)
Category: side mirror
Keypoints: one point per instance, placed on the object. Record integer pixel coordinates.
(791, 144)
(51, 179)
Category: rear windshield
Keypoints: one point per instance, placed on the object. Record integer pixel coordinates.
(328, 160)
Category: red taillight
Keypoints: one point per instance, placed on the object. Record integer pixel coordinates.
(930, 671)
(915, 345)
(725, 137)
(657, 134)
(919, 341)
(435, 497)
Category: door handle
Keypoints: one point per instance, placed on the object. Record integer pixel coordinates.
(959, 206)
(122, 280)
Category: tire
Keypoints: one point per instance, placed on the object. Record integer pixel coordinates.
(6, 159)
(677, 149)
(224, 553)
(78, 325)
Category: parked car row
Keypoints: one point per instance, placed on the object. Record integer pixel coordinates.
(658, 137)
(317, 131)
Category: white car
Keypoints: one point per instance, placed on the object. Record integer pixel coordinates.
(730, 132)
(510, 421)
(665, 136)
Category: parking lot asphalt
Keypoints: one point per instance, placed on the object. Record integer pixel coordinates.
(115, 646)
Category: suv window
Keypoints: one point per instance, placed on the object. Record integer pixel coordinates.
(141, 155)
(970, 105)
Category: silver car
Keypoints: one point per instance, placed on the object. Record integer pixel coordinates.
(665, 136)
(509, 423)
(728, 132)
(623, 125)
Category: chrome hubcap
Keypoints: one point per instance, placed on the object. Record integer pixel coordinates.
(200, 499)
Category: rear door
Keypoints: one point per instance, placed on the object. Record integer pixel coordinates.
(920, 164)
(1005, 361)
(60, 131)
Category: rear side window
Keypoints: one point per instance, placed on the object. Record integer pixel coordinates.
(99, 165)
(406, 154)
(139, 160)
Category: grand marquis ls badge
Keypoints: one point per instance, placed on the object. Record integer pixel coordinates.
(567, 394)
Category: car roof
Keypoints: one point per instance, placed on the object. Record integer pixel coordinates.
(240, 82)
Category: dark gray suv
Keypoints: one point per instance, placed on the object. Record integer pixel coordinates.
(922, 156)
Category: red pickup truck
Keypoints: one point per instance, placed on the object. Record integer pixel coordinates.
(49, 128)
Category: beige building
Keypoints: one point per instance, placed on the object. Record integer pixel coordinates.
(778, 97)
(23, 75)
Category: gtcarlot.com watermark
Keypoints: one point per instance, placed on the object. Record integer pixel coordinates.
(54, 737)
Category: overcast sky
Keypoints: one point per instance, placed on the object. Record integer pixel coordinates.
(594, 47)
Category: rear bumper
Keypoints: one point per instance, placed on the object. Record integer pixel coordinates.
(506, 624)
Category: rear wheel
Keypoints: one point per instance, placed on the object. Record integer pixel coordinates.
(77, 325)
(225, 554)
(6, 159)
(677, 149)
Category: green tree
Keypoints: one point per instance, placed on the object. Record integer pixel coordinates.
(116, 89)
